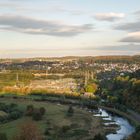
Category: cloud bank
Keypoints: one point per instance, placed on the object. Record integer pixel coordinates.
(131, 27)
(43, 27)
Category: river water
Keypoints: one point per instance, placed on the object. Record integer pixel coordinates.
(125, 130)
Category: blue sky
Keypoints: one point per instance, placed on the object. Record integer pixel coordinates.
(44, 28)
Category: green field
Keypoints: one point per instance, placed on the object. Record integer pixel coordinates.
(82, 125)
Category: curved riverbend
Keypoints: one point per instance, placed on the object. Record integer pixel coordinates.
(125, 130)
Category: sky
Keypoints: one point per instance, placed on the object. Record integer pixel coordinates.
(55, 28)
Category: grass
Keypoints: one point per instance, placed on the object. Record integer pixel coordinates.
(82, 125)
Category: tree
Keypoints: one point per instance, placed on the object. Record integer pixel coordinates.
(29, 110)
(91, 88)
(37, 116)
(28, 131)
(42, 110)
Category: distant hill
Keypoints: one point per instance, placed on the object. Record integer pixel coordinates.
(135, 58)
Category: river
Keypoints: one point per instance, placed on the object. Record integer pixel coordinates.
(125, 130)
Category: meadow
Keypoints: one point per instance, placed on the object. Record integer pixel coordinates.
(81, 125)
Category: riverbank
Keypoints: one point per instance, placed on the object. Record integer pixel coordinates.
(132, 116)
(124, 127)
(135, 121)
(108, 130)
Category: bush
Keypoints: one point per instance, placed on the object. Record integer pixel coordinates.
(8, 108)
(4, 119)
(13, 105)
(134, 136)
(15, 115)
(37, 116)
(70, 111)
(47, 132)
(12, 112)
(65, 128)
(1, 96)
(35, 113)
(29, 110)
(3, 136)
(99, 137)
(138, 128)
(42, 110)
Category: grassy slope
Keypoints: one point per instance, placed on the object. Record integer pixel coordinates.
(56, 115)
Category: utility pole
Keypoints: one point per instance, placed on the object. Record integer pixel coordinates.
(92, 75)
(86, 78)
(46, 72)
(17, 79)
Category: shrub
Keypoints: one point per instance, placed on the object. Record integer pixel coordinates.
(3, 136)
(65, 128)
(134, 136)
(138, 128)
(70, 111)
(15, 115)
(8, 108)
(1, 96)
(37, 115)
(42, 110)
(47, 132)
(29, 110)
(13, 105)
(99, 137)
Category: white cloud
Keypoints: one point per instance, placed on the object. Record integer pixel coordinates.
(109, 16)
(137, 13)
(132, 37)
(130, 26)
(44, 27)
